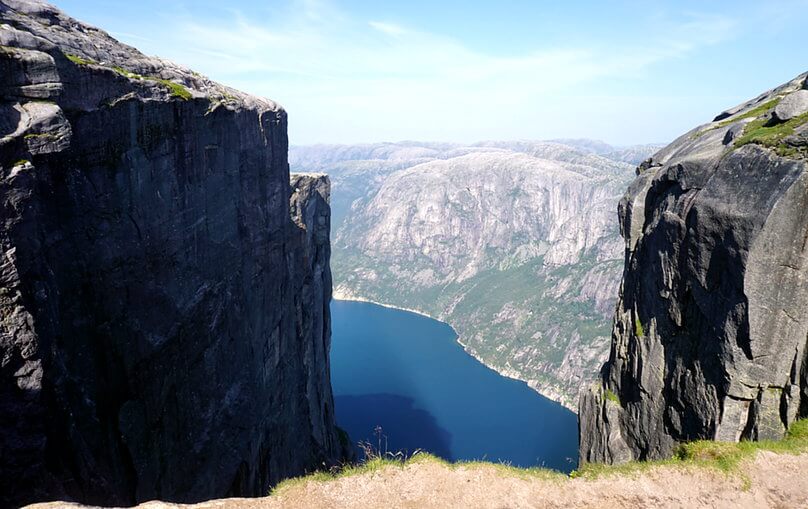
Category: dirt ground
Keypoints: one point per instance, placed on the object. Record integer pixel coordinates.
(769, 480)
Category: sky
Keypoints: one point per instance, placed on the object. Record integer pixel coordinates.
(625, 72)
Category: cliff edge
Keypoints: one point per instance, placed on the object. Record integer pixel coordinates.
(709, 336)
(164, 322)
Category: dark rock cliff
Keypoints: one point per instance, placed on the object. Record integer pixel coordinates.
(164, 323)
(709, 338)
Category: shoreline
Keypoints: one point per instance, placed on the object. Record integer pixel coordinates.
(352, 297)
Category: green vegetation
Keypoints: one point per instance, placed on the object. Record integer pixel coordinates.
(639, 331)
(611, 396)
(79, 60)
(21, 162)
(176, 89)
(40, 135)
(474, 304)
(725, 457)
(772, 136)
(378, 463)
(754, 112)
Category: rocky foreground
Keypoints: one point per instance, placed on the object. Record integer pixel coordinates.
(768, 480)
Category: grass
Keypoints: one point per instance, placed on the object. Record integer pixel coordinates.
(611, 396)
(759, 133)
(175, 89)
(725, 457)
(21, 162)
(79, 60)
(639, 331)
(754, 112)
(377, 464)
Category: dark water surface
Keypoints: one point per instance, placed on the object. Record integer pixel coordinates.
(406, 373)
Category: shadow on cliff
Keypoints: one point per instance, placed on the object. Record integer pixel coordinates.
(407, 428)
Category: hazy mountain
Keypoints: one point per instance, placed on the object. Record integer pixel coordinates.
(513, 243)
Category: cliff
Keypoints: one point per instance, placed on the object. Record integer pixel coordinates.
(709, 336)
(164, 325)
(512, 243)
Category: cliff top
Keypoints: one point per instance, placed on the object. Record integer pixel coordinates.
(767, 480)
(777, 119)
(34, 26)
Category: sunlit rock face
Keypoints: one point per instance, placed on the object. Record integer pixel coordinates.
(710, 329)
(164, 324)
(513, 243)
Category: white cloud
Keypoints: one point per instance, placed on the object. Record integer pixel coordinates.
(345, 79)
(390, 29)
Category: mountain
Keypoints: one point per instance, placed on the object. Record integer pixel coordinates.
(709, 338)
(512, 243)
(164, 319)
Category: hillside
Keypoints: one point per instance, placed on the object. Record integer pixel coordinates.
(512, 243)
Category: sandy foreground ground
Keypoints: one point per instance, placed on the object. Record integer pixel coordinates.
(768, 480)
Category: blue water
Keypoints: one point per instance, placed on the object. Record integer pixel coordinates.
(406, 373)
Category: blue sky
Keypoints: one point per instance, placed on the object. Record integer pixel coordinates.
(364, 71)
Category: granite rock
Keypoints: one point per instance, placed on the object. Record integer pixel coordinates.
(164, 323)
(709, 335)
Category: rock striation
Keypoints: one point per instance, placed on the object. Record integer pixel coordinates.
(164, 322)
(512, 243)
(709, 335)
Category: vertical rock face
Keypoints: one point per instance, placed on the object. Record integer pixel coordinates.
(709, 338)
(164, 324)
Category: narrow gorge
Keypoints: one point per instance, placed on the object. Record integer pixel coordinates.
(164, 320)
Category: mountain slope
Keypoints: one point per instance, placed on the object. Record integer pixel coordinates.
(709, 339)
(512, 243)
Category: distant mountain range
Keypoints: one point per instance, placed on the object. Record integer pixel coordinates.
(515, 244)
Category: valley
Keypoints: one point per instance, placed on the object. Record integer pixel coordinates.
(512, 243)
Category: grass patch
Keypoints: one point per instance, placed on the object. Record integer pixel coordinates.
(376, 464)
(611, 396)
(40, 135)
(175, 89)
(759, 133)
(370, 466)
(21, 162)
(754, 112)
(639, 331)
(725, 457)
(79, 60)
